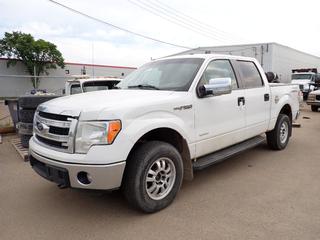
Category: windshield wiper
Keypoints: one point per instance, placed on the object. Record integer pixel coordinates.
(144, 86)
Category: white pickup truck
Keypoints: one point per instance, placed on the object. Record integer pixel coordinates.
(167, 119)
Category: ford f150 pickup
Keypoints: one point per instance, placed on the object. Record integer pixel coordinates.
(164, 121)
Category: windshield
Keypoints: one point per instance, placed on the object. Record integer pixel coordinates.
(171, 74)
(98, 85)
(301, 76)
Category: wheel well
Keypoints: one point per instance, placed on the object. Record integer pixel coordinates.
(286, 109)
(172, 137)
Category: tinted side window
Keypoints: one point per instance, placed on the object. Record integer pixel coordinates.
(250, 74)
(219, 69)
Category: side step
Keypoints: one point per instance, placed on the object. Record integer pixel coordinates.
(225, 153)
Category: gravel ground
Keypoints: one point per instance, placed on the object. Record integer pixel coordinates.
(259, 194)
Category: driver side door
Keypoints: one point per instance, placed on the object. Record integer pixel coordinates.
(219, 120)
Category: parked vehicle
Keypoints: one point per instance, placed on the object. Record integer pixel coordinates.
(314, 96)
(26, 109)
(305, 78)
(83, 84)
(167, 119)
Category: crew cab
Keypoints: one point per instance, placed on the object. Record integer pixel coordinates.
(167, 119)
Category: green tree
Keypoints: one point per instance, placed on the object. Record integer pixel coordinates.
(37, 55)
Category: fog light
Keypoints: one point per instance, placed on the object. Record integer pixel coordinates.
(84, 178)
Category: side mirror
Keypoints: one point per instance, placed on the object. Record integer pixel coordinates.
(216, 87)
(272, 77)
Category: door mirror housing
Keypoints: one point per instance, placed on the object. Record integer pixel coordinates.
(216, 87)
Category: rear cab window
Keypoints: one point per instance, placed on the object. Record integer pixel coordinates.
(250, 74)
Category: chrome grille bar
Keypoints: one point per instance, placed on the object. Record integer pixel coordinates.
(55, 141)
(55, 123)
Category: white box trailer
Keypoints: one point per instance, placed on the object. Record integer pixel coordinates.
(272, 56)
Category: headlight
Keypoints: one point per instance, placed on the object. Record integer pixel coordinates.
(96, 133)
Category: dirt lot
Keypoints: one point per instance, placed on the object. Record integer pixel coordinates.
(260, 194)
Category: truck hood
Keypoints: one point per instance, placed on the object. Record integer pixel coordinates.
(92, 104)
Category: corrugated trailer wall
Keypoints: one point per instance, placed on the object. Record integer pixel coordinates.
(284, 59)
(262, 52)
(272, 56)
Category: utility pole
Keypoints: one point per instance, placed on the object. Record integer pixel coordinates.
(92, 55)
(262, 50)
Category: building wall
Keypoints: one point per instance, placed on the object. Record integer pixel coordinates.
(13, 86)
(272, 56)
(15, 81)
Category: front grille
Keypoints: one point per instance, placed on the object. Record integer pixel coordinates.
(55, 131)
(50, 142)
(54, 116)
(318, 97)
(311, 97)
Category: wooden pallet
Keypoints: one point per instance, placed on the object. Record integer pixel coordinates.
(23, 152)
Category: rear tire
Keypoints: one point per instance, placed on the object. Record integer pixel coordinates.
(278, 138)
(153, 176)
(314, 108)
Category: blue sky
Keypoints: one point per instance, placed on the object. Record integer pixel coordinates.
(293, 23)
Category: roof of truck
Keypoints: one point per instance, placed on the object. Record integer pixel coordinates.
(208, 56)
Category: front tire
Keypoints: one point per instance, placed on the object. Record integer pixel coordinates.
(278, 138)
(153, 176)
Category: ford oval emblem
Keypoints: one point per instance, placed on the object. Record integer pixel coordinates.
(40, 126)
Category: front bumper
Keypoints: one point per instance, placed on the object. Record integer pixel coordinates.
(103, 177)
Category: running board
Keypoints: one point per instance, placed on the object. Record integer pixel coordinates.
(225, 153)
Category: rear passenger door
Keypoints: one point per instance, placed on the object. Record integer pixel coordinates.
(257, 98)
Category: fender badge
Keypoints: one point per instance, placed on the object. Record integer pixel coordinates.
(185, 107)
(276, 99)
